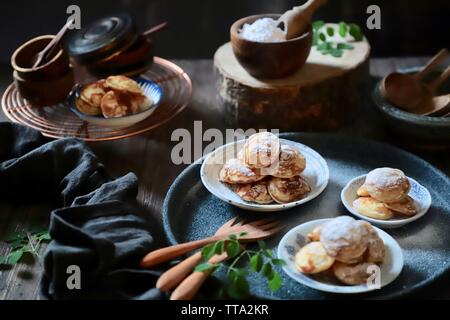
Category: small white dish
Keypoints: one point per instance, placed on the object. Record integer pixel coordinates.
(150, 89)
(420, 195)
(293, 240)
(316, 174)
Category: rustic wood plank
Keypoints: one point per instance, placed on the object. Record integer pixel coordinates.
(149, 157)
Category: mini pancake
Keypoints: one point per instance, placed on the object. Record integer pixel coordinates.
(123, 83)
(314, 235)
(261, 150)
(290, 163)
(375, 249)
(362, 191)
(372, 208)
(288, 190)
(312, 258)
(353, 274)
(405, 206)
(114, 106)
(387, 184)
(93, 93)
(235, 172)
(345, 238)
(254, 192)
(87, 108)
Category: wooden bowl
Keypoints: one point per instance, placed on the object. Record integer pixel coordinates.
(47, 84)
(269, 59)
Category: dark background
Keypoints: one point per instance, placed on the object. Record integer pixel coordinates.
(198, 27)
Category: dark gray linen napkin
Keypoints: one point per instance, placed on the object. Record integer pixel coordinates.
(96, 226)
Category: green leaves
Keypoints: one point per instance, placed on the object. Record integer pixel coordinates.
(260, 261)
(24, 241)
(343, 29)
(256, 262)
(206, 266)
(323, 32)
(355, 32)
(233, 248)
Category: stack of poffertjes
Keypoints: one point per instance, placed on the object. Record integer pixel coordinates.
(344, 247)
(266, 170)
(385, 193)
(115, 96)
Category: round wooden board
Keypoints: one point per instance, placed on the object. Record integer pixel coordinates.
(322, 95)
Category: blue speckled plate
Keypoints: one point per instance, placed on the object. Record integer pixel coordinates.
(191, 212)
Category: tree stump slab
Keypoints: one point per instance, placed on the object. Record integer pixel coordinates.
(322, 96)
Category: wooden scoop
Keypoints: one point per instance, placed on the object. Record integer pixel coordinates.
(429, 105)
(297, 20)
(45, 54)
(406, 91)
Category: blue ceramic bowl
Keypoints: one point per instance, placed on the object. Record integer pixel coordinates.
(152, 90)
(416, 130)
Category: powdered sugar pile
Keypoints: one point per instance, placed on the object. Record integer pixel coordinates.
(263, 30)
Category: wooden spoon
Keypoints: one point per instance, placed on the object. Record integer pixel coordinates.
(297, 20)
(406, 91)
(256, 230)
(154, 29)
(429, 105)
(47, 52)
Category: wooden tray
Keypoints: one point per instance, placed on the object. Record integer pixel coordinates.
(59, 122)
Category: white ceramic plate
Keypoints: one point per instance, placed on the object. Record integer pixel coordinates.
(419, 193)
(152, 90)
(316, 174)
(295, 239)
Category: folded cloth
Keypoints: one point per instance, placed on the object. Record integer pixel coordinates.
(98, 237)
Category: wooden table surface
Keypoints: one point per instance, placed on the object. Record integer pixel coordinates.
(148, 156)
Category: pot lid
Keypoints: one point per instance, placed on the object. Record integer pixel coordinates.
(103, 38)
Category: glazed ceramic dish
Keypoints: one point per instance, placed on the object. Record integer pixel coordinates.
(150, 89)
(316, 174)
(420, 194)
(191, 212)
(292, 241)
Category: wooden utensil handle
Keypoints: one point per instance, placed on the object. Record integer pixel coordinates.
(168, 253)
(434, 62)
(172, 277)
(434, 85)
(187, 289)
(190, 286)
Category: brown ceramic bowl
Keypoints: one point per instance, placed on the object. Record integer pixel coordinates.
(47, 84)
(269, 59)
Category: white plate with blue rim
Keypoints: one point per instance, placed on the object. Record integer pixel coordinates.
(316, 174)
(420, 195)
(295, 239)
(153, 92)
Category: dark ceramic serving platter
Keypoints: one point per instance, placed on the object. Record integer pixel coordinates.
(190, 212)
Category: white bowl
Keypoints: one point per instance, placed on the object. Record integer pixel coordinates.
(295, 239)
(150, 89)
(316, 174)
(418, 193)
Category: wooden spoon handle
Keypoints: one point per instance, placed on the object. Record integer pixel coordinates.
(154, 29)
(187, 289)
(172, 277)
(434, 85)
(434, 62)
(168, 253)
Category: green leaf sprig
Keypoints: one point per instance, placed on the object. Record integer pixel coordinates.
(323, 33)
(260, 261)
(24, 242)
